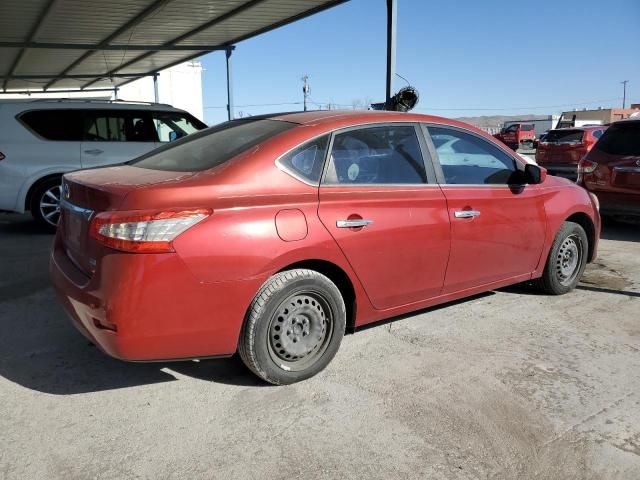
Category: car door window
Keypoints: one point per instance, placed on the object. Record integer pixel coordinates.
(118, 126)
(307, 160)
(171, 126)
(471, 160)
(376, 155)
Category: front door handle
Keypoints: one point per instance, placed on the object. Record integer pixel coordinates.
(95, 151)
(467, 213)
(353, 223)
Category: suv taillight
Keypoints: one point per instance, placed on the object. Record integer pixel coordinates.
(144, 232)
(585, 166)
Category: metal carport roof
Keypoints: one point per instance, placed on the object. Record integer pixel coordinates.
(90, 44)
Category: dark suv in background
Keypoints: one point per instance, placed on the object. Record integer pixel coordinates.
(611, 170)
(560, 150)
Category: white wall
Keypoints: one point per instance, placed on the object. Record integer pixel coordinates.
(180, 86)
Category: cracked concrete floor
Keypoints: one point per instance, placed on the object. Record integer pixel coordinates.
(510, 384)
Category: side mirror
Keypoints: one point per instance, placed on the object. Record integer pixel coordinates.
(534, 174)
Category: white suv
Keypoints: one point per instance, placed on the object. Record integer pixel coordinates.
(42, 139)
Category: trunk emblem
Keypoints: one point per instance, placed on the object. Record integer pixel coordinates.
(65, 189)
(638, 163)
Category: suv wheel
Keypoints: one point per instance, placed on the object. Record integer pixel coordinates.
(294, 327)
(45, 202)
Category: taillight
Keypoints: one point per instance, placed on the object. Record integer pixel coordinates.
(585, 166)
(143, 231)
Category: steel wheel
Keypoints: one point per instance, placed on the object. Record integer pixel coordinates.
(50, 205)
(569, 259)
(300, 330)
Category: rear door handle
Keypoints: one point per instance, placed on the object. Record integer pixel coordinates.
(95, 151)
(353, 223)
(467, 213)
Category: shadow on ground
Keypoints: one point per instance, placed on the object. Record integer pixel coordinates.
(41, 350)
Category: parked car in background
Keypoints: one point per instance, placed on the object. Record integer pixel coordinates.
(517, 135)
(270, 235)
(611, 169)
(561, 150)
(42, 139)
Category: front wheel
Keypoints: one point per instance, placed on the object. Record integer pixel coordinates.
(567, 260)
(294, 327)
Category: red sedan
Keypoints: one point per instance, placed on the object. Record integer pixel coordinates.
(272, 235)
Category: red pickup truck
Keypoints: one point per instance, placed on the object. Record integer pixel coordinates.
(517, 134)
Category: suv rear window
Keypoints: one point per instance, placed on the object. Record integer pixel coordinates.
(564, 136)
(61, 125)
(621, 139)
(211, 147)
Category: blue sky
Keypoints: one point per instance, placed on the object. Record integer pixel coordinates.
(465, 57)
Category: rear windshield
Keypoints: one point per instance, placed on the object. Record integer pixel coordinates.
(211, 147)
(564, 136)
(621, 139)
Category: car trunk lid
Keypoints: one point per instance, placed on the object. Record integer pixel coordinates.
(562, 146)
(89, 192)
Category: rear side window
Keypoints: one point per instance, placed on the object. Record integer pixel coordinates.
(621, 139)
(376, 155)
(564, 136)
(172, 126)
(211, 147)
(527, 128)
(118, 126)
(60, 125)
(307, 160)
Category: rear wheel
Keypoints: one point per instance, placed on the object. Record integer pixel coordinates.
(294, 327)
(567, 260)
(45, 202)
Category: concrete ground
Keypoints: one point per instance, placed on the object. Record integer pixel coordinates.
(510, 384)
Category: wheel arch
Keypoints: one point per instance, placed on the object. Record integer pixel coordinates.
(586, 223)
(338, 276)
(29, 195)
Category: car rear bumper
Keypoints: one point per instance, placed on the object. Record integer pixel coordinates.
(146, 307)
(619, 203)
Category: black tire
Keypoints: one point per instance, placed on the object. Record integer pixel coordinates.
(293, 328)
(46, 216)
(567, 260)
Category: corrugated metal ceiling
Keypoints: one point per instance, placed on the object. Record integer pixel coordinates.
(68, 44)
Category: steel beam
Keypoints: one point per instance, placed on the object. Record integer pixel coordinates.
(97, 76)
(118, 48)
(120, 30)
(190, 33)
(32, 34)
(53, 92)
(229, 84)
(392, 10)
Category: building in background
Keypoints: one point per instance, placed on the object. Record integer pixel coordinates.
(179, 86)
(599, 116)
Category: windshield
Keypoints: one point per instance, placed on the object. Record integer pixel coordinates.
(621, 139)
(564, 136)
(211, 147)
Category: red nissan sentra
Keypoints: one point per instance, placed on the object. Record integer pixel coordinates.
(272, 235)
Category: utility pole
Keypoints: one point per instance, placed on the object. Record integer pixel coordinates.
(624, 93)
(305, 90)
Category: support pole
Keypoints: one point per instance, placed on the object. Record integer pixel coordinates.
(392, 9)
(156, 95)
(115, 93)
(229, 84)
